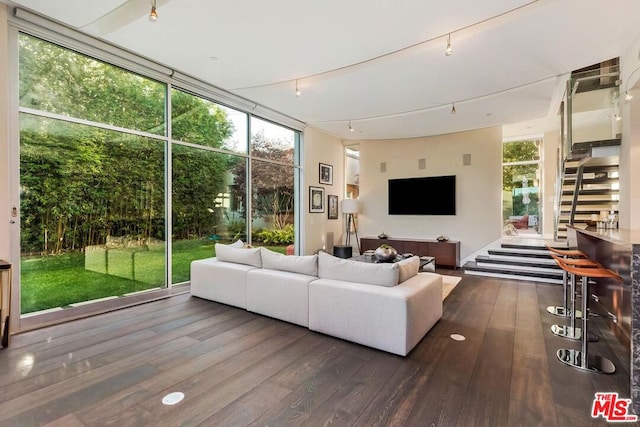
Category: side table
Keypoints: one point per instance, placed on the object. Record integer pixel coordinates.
(5, 302)
(342, 251)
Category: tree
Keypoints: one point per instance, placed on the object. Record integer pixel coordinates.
(512, 175)
(272, 184)
(81, 183)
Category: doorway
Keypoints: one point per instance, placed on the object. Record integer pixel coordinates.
(521, 197)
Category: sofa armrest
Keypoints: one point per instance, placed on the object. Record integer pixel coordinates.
(392, 319)
(220, 281)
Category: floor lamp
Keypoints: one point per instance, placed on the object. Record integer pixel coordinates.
(350, 207)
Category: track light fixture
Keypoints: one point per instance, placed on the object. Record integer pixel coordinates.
(297, 89)
(453, 108)
(350, 127)
(449, 49)
(153, 16)
(628, 96)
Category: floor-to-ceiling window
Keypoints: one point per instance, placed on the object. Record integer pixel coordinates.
(207, 204)
(273, 190)
(352, 171)
(521, 187)
(91, 178)
(118, 196)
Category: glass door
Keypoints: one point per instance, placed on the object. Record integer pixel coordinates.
(521, 199)
(92, 179)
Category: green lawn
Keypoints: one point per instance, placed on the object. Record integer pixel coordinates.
(59, 280)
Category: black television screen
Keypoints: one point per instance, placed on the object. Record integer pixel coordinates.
(434, 195)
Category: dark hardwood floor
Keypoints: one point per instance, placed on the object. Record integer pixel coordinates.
(237, 368)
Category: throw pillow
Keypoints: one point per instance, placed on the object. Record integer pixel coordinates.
(408, 268)
(238, 255)
(330, 267)
(295, 264)
(237, 244)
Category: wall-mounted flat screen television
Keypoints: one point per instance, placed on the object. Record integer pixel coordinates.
(433, 195)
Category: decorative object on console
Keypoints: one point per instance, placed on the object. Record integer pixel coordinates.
(383, 235)
(350, 208)
(369, 256)
(446, 253)
(386, 253)
(442, 238)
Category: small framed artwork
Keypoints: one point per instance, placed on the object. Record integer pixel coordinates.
(332, 206)
(326, 174)
(316, 200)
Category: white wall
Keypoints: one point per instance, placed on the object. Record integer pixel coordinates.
(550, 147)
(320, 147)
(630, 149)
(4, 137)
(478, 199)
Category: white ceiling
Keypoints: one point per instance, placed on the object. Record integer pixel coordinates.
(377, 64)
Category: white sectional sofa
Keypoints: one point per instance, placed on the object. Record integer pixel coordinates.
(385, 306)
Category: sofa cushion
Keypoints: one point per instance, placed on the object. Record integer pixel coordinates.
(408, 268)
(294, 264)
(330, 267)
(238, 256)
(280, 294)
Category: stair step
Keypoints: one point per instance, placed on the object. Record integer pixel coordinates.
(515, 260)
(523, 253)
(536, 247)
(591, 193)
(586, 145)
(472, 268)
(548, 266)
(591, 202)
(586, 212)
(599, 180)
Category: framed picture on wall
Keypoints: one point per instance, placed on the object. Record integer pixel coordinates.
(326, 174)
(332, 206)
(316, 200)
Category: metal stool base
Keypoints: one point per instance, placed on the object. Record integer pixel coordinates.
(597, 364)
(567, 332)
(563, 312)
(564, 331)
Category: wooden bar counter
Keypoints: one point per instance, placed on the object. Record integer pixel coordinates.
(618, 250)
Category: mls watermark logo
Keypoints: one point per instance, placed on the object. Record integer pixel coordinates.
(612, 408)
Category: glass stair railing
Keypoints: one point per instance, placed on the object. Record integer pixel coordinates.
(587, 182)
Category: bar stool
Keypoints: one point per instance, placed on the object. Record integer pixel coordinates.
(581, 359)
(565, 311)
(571, 331)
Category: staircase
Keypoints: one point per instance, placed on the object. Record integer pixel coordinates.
(589, 186)
(588, 168)
(516, 261)
(587, 175)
